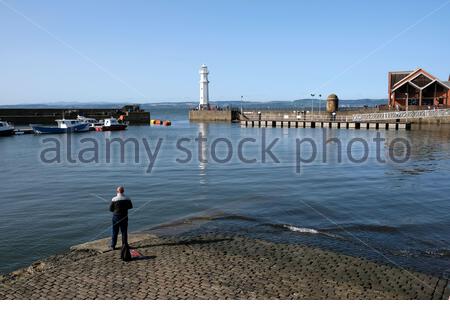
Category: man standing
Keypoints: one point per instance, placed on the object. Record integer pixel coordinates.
(120, 205)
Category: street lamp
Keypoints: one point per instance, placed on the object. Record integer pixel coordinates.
(312, 103)
(320, 101)
(242, 97)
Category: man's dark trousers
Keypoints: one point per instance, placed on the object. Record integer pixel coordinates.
(119, 222)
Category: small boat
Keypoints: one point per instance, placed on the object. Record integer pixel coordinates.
(111, 125)
(91, 121)
(6, 129)
(64, 126)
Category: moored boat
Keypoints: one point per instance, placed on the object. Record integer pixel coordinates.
(6, 129)
(91, 121)
(64, 126)
(111, 125)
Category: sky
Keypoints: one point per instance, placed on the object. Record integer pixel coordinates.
(151, 51)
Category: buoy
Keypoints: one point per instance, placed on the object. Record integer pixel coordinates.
(158, 122)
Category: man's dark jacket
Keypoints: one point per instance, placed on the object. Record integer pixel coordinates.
(120, 205)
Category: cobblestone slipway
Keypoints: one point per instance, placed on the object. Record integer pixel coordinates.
(215, 267)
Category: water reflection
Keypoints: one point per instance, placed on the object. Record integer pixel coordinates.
(203, 152)
(426, 146)
(332, 146)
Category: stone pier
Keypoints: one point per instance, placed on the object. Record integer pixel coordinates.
(328, 124)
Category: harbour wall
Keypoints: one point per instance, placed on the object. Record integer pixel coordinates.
(26, 116)
(326, 124)
(214, 115)
(294, 115)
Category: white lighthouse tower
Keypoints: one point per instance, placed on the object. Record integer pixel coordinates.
(204, 92)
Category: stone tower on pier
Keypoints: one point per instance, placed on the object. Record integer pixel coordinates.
(204, 92)
(332, 103)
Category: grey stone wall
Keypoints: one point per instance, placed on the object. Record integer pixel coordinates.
(210, 115)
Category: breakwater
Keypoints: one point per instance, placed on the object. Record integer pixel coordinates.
(227, 115)
(25, 116)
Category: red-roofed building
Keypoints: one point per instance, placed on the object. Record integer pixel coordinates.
(417, 88)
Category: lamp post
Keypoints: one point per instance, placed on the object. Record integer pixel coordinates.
(320, 101)
(312, 103)
(242, 97)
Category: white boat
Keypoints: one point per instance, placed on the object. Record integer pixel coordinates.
(91, 121)
(111, 125)
(6, 129)
(64, 126)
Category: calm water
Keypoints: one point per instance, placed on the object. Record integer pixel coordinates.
(389, 212)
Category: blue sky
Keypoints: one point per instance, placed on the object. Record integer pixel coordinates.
(150, 51)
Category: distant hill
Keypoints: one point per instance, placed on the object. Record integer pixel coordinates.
(299, 104)
(345, 103)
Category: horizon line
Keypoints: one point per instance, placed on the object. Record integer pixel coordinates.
(174, 102)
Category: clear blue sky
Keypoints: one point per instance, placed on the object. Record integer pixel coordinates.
(150, 51)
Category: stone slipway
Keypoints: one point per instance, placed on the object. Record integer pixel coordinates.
(215, 267)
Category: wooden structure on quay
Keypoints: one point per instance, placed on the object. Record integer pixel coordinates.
(417, 88)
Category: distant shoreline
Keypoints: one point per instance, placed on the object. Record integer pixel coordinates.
(275, 104)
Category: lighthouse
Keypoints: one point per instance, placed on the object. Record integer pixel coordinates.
(204, 92)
